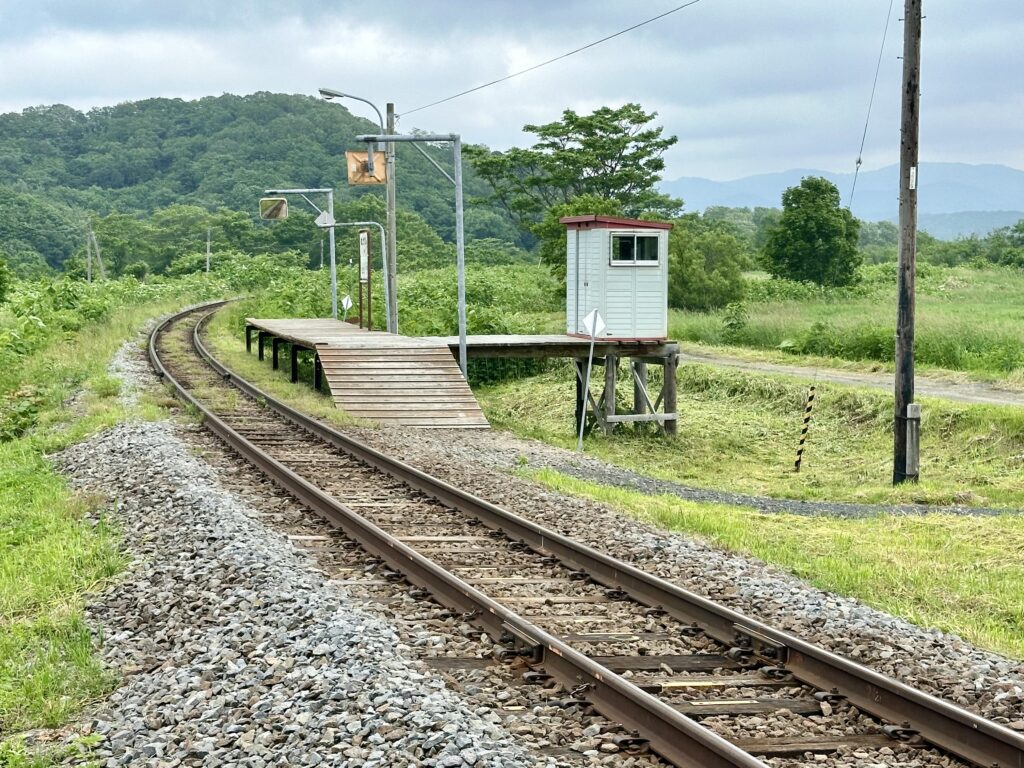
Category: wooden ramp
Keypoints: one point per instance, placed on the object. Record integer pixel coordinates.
(385, 377)
(416, 385)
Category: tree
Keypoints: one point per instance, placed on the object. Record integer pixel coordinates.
(611, 154)
(815, 239)
(552, 233)
(6, 279)
(705, 263)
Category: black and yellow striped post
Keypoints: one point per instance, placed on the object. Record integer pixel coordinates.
(803, 432)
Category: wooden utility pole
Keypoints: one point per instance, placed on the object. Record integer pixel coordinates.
(905, 278)
(207, 250)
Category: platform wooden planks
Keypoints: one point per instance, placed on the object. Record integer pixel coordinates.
(385, 377)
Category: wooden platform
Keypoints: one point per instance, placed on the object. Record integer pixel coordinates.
(384, 377)
(416, 381)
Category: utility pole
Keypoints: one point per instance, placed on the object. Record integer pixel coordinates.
(207, 250)
(905, 463)
(321, 253)
(88, 259)
(392, 243)
(99, 258)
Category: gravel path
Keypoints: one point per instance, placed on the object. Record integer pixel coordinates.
(961, 391)
(937, 662)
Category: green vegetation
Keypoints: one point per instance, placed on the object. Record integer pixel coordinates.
(960, 574)
(738, 431)
(815, 239)
(62, 167)
(967, 320)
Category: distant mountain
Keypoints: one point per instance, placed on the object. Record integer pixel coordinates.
(953, 198)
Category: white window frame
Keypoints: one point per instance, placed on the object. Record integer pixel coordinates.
(635, 233)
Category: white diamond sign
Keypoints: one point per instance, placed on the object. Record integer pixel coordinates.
(346, 302)
(593, 324)
(324, 220)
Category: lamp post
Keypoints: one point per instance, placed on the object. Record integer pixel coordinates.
(390, 265)
(456, 141)
(330, 237)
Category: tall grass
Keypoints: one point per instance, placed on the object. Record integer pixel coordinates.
(967, 320)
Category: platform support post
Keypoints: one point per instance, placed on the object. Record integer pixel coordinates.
(295, 362)
(671, 363)
(581, 397)
(275, 356)
(639, 386)
(262, 337)
(611, 365)
(248, 338)
(318, 372)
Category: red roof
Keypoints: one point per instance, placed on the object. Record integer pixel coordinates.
(592, 221)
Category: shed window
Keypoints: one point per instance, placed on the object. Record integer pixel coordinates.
(634, 249)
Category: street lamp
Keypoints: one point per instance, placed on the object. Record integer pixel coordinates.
(330, 220)
(390, 268)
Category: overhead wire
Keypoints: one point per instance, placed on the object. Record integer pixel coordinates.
(556, 58)
(871, 101)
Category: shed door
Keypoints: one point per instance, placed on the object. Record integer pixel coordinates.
(582, 286)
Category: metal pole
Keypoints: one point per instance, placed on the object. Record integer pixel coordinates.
(334, 265)
(460, 244)
(321, 253)
(207, 250)
(391, 249)
(88, 260)
(586, 396)
(905, 277)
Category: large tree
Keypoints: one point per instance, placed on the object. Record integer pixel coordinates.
(614, 154)
(815, 239)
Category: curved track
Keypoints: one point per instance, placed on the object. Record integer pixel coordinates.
(579, 616)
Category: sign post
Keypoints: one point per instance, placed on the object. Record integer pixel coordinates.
(364, 279)
(346, 305)
(594, 326)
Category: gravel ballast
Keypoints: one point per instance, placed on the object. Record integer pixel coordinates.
(939, 663)
(238, 651)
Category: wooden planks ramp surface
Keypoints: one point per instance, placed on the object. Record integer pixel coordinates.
(415, 385)
(385, 377)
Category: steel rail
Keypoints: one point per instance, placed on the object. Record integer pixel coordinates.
(677, 738)
(938, 722)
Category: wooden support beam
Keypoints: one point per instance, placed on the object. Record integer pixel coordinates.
(248, 337)
(610, 370)
(275, 355)
(318, 372)
(640, 399)
(580, 366)
(633, 418)
(295, 362)
(263, 336)
(669, 391)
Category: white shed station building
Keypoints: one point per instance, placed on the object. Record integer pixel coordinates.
(620, 268)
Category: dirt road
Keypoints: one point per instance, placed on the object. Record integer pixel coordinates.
(965, 392)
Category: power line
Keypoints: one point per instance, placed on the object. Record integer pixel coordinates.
(557, 58)
(871, 101)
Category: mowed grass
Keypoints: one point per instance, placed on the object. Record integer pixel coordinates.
(969, 320)
(960, 574)
(55, 546)
(738, 431)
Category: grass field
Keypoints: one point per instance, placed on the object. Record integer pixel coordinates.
(51, 554)
(738, 431)
(967, 320)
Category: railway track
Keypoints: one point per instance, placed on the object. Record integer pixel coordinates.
(674, 669)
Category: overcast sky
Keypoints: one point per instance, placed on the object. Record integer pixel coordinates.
(748, 86)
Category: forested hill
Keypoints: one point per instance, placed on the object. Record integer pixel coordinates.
(57, 164)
